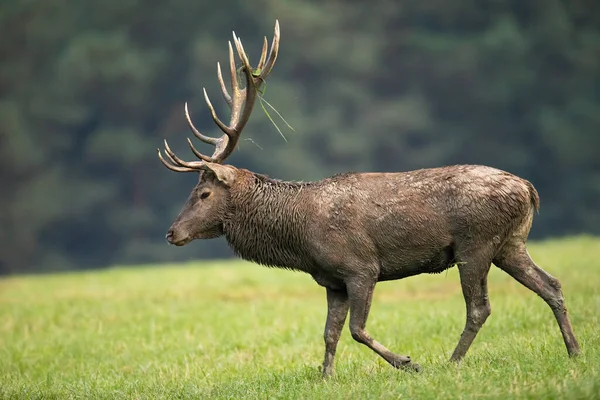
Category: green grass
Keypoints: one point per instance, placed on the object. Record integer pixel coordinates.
(237, 330)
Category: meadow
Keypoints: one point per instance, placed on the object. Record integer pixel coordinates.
(231, 329)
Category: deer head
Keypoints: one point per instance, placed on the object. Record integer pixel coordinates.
(203, 213)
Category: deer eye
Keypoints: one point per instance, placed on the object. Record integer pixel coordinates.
(204, 195)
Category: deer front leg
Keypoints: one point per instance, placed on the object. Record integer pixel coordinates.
(337, 310)
(360, 294)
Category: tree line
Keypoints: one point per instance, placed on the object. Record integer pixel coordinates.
(88, 90)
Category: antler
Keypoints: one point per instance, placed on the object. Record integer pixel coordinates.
(241, 101)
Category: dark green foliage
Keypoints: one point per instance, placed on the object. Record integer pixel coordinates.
(89, 89)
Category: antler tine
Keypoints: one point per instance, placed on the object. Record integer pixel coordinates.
(198, 154)
(213, 113)
(195, 165)
(234, 83)
(167, 151)
(173, 167)
(240, 50)
(226, 95)
(273, 53)
(263, 55)
(196, 132)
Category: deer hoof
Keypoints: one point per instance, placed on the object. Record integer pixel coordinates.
(404, 362)
(415, 367)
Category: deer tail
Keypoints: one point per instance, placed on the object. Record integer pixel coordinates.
(534, 196)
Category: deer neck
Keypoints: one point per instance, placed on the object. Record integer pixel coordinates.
(266, 222)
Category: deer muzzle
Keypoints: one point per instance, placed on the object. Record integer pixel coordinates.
(177, 238)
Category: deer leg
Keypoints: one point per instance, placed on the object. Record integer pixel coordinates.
(337, 310)
(515, 261)
(360, 294)
(473, 279)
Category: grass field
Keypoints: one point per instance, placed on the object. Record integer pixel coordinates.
(237, 330)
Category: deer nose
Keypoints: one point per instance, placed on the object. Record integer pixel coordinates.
(169, 236)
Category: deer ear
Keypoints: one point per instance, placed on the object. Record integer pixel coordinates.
(225, 174)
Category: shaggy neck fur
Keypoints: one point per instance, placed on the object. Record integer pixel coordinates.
(267, 221)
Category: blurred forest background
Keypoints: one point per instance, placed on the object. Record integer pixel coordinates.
(88, 90)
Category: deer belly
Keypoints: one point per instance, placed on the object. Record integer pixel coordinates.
(414, 263)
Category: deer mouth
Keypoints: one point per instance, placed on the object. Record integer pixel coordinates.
(182, 242)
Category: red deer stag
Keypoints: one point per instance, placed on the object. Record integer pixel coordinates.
(352, 230)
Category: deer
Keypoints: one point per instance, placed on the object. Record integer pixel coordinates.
(353, 230)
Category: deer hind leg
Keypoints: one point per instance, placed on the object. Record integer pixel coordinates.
(360, 294)
(515, 261)
(473, 279)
